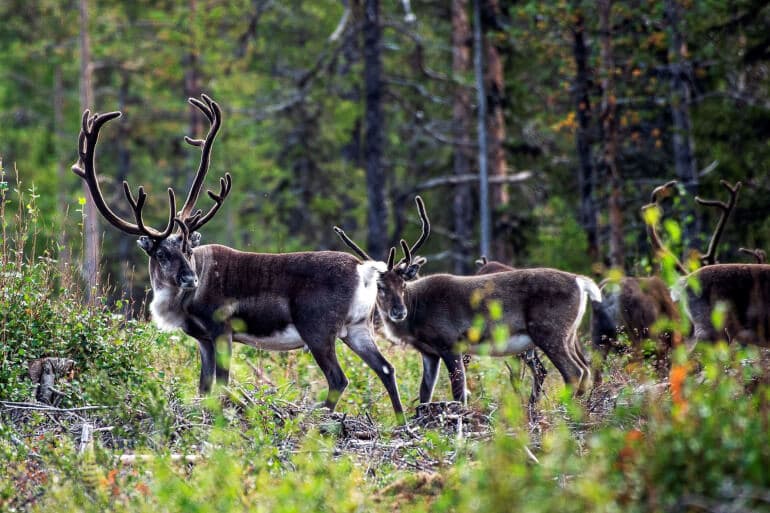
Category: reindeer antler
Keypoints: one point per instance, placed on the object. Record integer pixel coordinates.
(759, 255)
(425, 225)
(352, 245)
(408, 252)
(85, 168)
(658, 193)
(710, 257)
(425, 222)
(194, 219)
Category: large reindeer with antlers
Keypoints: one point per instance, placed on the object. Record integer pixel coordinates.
(435, 314)
(218, 295)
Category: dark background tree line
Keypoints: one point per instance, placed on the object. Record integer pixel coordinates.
(338, 112)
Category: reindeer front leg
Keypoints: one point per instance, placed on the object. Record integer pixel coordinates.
(224, 350)
(454, 364)
(360, 340)
(429, 376)
(208, 357)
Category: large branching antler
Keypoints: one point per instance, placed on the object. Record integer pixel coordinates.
(85, 168)
(194, 219)
(710, 257)
(658, 193)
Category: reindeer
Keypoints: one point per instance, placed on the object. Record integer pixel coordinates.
(435, 314)
(218, 295)
(602, 323)
(742, 289)
(637, 304)
(529, 357)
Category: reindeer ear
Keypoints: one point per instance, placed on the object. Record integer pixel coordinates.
(145, 243)
(411, 271)
(195, 239)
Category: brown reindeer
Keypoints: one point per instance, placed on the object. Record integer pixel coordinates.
(435, 314)
(529, 357)
(218, 295)
(742, 290)
(638, 304)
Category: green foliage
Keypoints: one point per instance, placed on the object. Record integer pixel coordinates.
(705, 443)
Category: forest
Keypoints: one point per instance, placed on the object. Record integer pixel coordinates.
(626, 141)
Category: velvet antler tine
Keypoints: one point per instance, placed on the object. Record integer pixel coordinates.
(652, 231)
(726, 208)
(213, 113)
(425, 224)
(407, 252)
(759, 255)
(661, 191)
(391, 258)
(352, 245)
(203, 107)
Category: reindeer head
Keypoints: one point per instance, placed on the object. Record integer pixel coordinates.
(171, 255)
(391, 284)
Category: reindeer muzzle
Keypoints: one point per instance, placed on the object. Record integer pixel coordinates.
(188, 283)
(397, 314)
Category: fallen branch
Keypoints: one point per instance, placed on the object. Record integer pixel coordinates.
(130, 459)
(466, 178)
(86, 437)
(12, 405)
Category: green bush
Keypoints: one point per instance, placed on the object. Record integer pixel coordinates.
(40, 319)
(703, 444)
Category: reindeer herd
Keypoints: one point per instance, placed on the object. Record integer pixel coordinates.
(219, 295)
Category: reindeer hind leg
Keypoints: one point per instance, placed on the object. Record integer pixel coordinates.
(558, 348)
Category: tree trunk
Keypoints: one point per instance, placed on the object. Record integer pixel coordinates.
(495, 90)
(498, 165)
(610, 133)
(126, 245)
(683, 142)
(62, 171)
(586, 179)
(90, 268)
(376, 217)
(191, 89)
(481, 113)
(461, 121)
